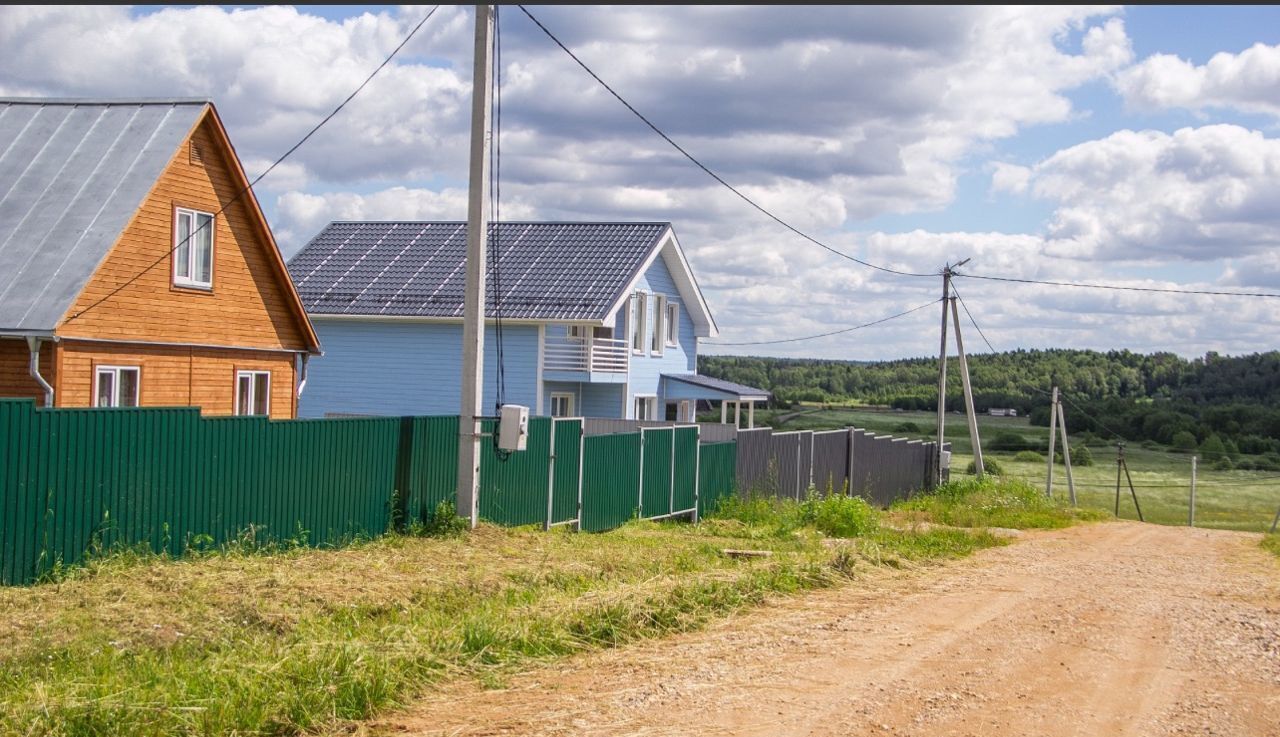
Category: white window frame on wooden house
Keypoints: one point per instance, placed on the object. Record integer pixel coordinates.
(673, 324)
(565, 400)
(193, 234)
(659, 332)
(112, 396)
(259, 396)
(645, 406)
(636, 322)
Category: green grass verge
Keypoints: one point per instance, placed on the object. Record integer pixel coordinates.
(240, 642)
(993, 502)
(1271, 543)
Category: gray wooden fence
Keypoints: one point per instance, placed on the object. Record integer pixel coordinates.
(880, 468)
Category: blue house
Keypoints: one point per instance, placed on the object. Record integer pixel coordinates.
(598, 320)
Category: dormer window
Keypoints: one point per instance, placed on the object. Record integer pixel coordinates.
(192, 249)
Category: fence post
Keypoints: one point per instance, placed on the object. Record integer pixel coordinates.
(551, 477)
(848, 484)
(697, 472)
(582, 452)
(1191, 511)
(640, 498)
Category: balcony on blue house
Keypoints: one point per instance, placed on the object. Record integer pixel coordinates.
(584, 353)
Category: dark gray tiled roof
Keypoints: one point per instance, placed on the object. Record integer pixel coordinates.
(720, 385)
(72, 175)
(548, 271)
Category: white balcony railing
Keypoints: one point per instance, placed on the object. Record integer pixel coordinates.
(602, 355)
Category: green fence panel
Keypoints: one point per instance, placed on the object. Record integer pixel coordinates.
(610, 480)
(717, 468)
(513, 486)
(656, 478)
(684, 469)
(567, 470)
(429, 463)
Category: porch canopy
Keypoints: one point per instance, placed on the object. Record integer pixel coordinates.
(693, 386)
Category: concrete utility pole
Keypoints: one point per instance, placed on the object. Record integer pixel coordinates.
(468, 494)
(1053, 436)
(942, 369)
(968, 394)
(1066, 452)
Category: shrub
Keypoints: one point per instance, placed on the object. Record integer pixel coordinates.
(1222, 463)
(1080, 456)
(1006, 440)
(1028, 456)
(907, 427)
(1183, 440)
(840, 516)
(989, 465)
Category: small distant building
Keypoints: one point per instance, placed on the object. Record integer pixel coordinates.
(1002, 412)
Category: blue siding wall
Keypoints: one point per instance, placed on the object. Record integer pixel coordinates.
(403, 368)
(646, 370)
(561, 387)
(602, 400)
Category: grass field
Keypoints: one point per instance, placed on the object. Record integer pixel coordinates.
(1235, 500)
(311, 641)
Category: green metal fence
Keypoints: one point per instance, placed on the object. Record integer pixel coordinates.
(72, 480)
(717, 474)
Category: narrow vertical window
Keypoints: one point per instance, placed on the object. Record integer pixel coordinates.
(659, 316)
(116, 386)
(673, 324)
(639, 311)
(253, 393)
(193, 248)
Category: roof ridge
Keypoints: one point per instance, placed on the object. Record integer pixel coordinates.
(106, 101)
(501, 222)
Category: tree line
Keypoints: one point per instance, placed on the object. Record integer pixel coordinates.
(1233, 401)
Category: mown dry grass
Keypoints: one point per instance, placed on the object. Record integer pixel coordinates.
(309, 640)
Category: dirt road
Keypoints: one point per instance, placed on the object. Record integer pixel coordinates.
(1107, 630)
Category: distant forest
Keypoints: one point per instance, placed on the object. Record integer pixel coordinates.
(1228, 402)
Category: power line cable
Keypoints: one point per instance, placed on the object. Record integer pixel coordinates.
(707, 169)
(1083, 285)
(249, 187)
(1062, 394)
(833, 332)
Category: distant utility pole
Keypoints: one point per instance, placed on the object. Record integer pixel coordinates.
(1058, 427)
(1122, 466)
(947, 273)
(469, 427)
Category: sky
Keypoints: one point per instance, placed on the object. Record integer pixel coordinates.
(1135, 146)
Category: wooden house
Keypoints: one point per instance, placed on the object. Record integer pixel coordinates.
(598, 320)
(136, 267)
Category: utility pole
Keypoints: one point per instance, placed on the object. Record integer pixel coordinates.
(469, 428)
(947, 272)
(1066, 452)
(1053, 436)
(968, 394)
(942, 369)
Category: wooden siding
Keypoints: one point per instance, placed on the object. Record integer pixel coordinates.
(646, 370)
(176, 376)
(373, 367)
(15, 381)
(248, 305)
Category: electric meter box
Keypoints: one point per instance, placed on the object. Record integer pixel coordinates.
(946, 459)
(513, 427)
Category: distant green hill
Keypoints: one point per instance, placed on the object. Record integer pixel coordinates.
(1138, 396)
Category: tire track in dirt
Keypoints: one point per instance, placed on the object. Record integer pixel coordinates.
(1107, 629)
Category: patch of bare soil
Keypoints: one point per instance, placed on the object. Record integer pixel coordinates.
(1106, 629)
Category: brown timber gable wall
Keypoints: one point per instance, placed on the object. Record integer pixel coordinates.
(15, 380)
(248, 305)
(175, 376)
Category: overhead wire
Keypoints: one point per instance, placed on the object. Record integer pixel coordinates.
(1063, 395)
(824, 335)
(249, 187)
(706, 169)
(1085, 285)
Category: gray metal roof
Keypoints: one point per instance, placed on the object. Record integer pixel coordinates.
(548, 271)
(72, 175)
(718, 385)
